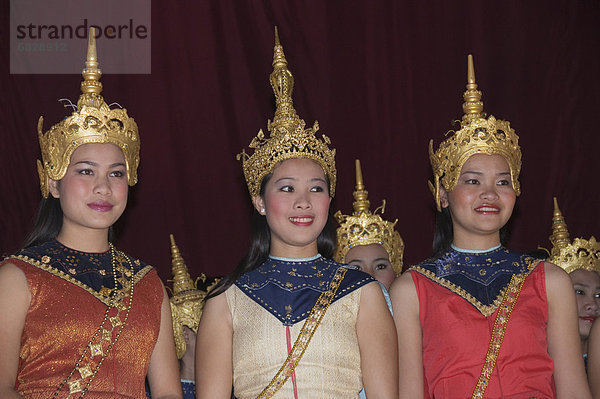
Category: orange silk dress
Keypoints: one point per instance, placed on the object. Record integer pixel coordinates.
(456, 336)
(65, 314)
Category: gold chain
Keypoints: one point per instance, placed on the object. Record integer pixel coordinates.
(85, 371)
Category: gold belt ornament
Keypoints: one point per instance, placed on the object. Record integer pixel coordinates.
(306, 333)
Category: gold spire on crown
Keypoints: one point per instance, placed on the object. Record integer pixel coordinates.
(571, 256)
(365, 228)
(288, 137)
(187, 300)
(92, 122)
(477, 135)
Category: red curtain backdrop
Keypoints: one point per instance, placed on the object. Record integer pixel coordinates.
(381, 77)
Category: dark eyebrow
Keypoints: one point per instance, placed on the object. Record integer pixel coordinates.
(481, 173)
(348, 261)
(585, 285)
(285, 178)
(382, 259)
(92, 163)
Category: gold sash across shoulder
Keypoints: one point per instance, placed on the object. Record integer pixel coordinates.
(500, 323)
(306, 333)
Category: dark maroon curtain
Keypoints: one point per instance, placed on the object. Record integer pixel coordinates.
(381, 77)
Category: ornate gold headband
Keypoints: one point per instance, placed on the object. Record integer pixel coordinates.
(365, 228)
(92, 122)
(187, 300)
(288, 137)
(571, 256)
(477, 135)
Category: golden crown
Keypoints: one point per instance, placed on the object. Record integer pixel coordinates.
(571, 256)
(365, 228)
(92, 122)
(187, 301)
(288, 137)
(477, 135)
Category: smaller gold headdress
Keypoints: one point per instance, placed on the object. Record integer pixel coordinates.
(92, 122)
(477, 135)
(187, 301)
(288, 137)
(365, 228)
(571, 256)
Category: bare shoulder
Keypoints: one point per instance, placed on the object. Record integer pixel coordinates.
(404, 285)
(371, 290)
(216, 309)
(12, 278)
(556, 277)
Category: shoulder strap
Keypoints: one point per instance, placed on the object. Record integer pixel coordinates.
(306, 333)
(500, 323)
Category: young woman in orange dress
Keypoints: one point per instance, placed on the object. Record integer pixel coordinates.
(79, 317)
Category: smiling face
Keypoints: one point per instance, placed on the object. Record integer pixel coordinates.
(372, 259)
(587, 291)
(93, 192)
(481, 203)
(296, 205)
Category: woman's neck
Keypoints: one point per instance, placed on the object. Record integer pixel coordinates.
(476, 242)
(84, 240)
(280, 250)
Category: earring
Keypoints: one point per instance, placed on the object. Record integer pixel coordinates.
(262, 211)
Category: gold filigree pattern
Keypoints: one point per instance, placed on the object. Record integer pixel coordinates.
(93, 122)
(304, 336)
(102, 296)
(477, 135)
(579, 254)
(365, 228)
(288, 137)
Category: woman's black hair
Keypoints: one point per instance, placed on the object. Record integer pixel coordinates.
(443, 234)
(260, 245)
(48, 223)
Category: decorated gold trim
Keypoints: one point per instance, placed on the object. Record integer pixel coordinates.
(58, 273)
(304, 336)
(500, 323)
(485, 310)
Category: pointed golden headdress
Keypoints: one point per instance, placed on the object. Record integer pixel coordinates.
(92, 122)
(571, 256)
(365, 228)
(477, 135)
(288, 137)
(187, 300)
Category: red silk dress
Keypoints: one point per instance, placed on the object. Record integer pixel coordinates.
(456, 336)
(64, 315)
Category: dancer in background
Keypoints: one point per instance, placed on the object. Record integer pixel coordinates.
(478, 320)
(79, 317)
(581, 260)
(187, 303)
(289, 321)
(367, 241)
